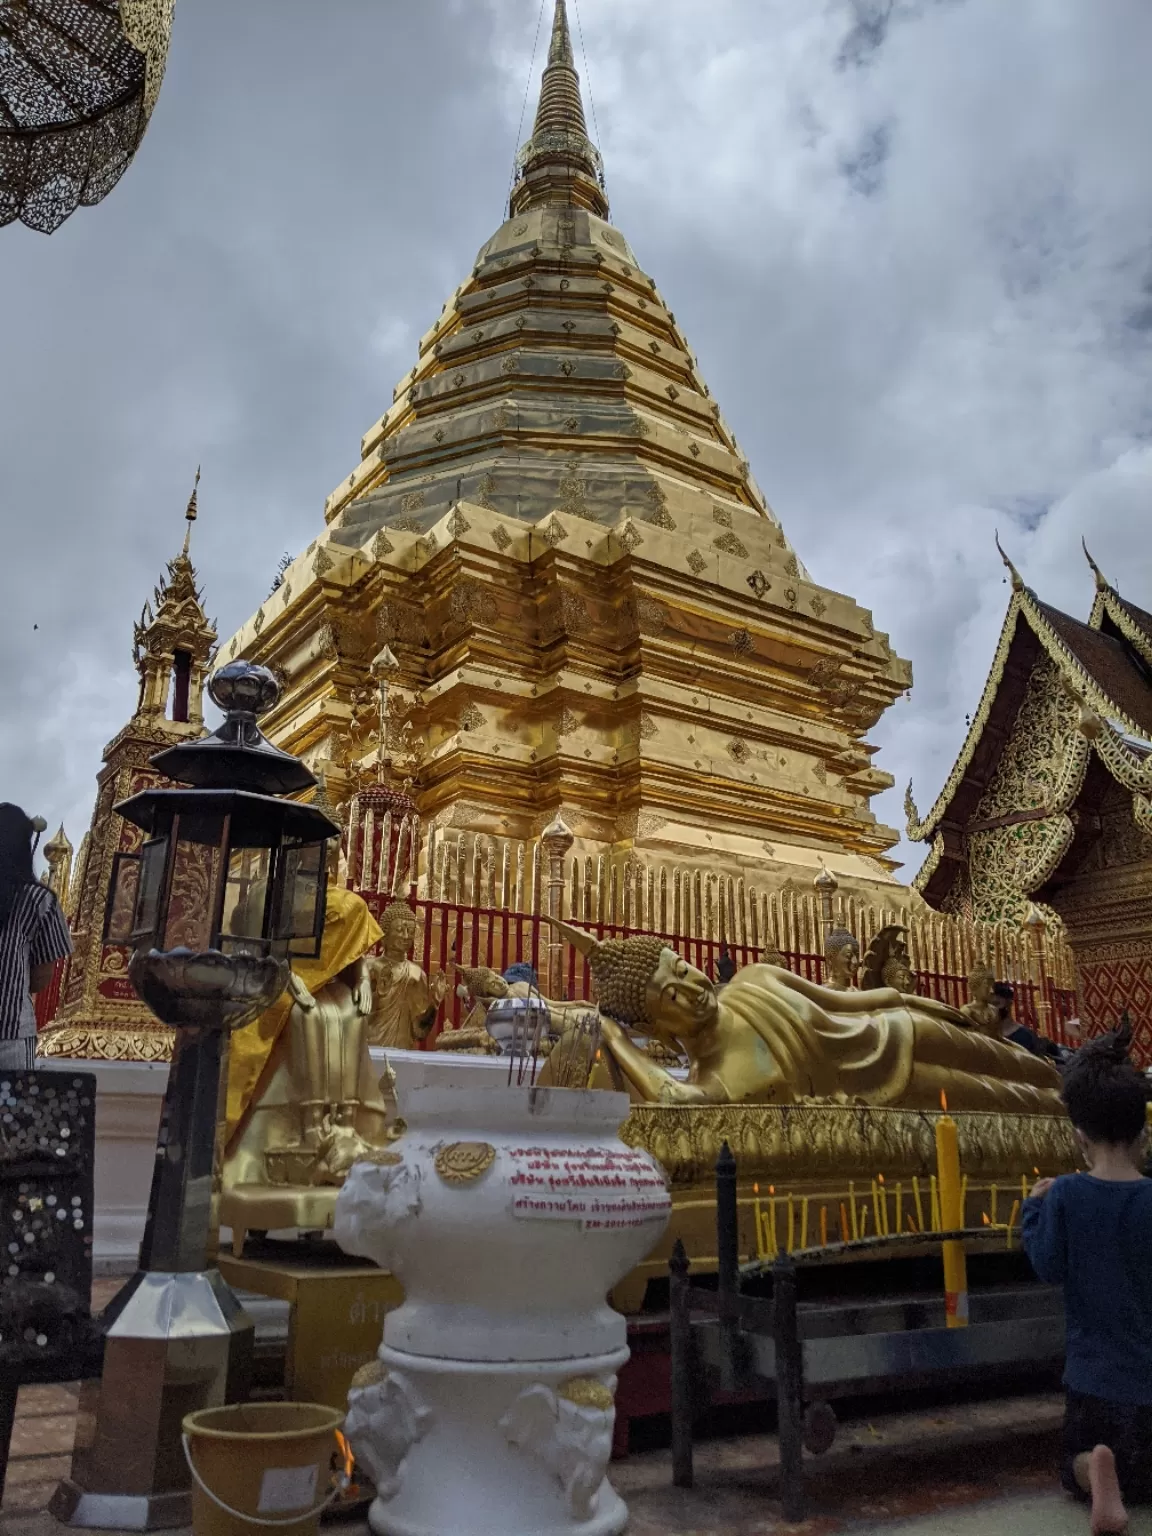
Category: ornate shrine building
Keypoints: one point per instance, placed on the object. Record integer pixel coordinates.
(591, 607)
(99, 1015)
(1050, 800)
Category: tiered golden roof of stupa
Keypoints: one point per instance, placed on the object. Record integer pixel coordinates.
(592, 605)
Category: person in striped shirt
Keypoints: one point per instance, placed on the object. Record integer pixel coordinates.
(33, 937)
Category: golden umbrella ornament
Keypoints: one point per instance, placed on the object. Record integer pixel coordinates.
(78, 81)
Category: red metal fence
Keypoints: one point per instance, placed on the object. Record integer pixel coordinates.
(47, 1000)
(449, 934)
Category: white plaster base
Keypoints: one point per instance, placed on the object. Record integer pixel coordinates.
(128, 1099)
(465, 1477)
(483, 1071)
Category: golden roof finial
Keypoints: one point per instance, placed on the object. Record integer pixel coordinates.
(1017, 579)
(826, 882)
(190, 512)
(1102, 582)
(560, 50)
(559, 163)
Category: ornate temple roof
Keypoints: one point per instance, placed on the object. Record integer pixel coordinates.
(1103, 666)
(555, 365)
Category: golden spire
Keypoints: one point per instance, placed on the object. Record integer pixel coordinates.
(1102, 582)
(190, 512)
(559, 163)
(1017, 579)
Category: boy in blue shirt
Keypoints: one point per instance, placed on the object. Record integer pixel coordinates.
(1092, 1233)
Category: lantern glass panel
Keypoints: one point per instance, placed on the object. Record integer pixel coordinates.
(150, 891)
(122, 892)
(245, 900)
(299, 912)
(196, 855)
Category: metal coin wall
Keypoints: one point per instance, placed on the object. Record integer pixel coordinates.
(47, 1145)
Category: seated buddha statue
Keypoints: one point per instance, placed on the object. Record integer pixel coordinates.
(771, 1037)
(404, 1001)
(982, 1011)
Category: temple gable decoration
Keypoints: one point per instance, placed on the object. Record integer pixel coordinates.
(1050, 799)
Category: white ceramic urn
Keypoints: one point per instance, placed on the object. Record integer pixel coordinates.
(507, 1214)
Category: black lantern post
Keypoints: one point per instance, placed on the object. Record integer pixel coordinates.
(227, 887)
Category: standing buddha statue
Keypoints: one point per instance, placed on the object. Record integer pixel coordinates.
(404, 1001)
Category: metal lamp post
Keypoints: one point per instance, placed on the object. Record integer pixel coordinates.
(228, 885)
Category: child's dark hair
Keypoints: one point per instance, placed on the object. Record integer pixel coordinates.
(1106, 1096)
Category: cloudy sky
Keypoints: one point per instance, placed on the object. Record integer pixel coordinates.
(910, 240)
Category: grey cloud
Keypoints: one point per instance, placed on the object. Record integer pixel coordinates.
(906, 370)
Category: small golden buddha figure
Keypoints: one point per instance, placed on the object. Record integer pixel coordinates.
(404, 1001)
(771, 1037)
(887, 963)
(475, 989)
(841, 960)
(982, 1010)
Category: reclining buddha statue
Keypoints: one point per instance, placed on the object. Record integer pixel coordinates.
(771, 1037)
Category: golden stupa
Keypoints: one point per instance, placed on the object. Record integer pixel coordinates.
(556, 536)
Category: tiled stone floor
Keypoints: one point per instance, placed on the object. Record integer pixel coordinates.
(970, 1470)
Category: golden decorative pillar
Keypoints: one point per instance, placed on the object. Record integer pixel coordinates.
(384, 665)
(58, 853)
(826, 885)
(556, 841)
(1035, 929)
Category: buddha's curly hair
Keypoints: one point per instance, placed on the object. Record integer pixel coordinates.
(1107, 1097)
(838, 939)
(623, 968)
(395, 912)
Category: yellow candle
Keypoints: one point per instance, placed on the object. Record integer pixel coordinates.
(919, 1205)
(1023, 1186)
(935, 1207)
(843, 1223)
(775, 1247)
(899, 1208)
(759, 1221)
(1012, 1222)
(964, 1201)
(823, 1226)
(994, 1223)
(952, 1219)
(852, 1208)
(863, 1220)
(876, 1208)
(791, 1226)
(804, 1222)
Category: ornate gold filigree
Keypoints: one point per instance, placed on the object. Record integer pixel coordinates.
(463, 1162)
(836, 1141)
(587, 1392)
(370, 1375)
(92, 1043)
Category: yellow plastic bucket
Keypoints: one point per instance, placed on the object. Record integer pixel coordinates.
(260, 1465)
